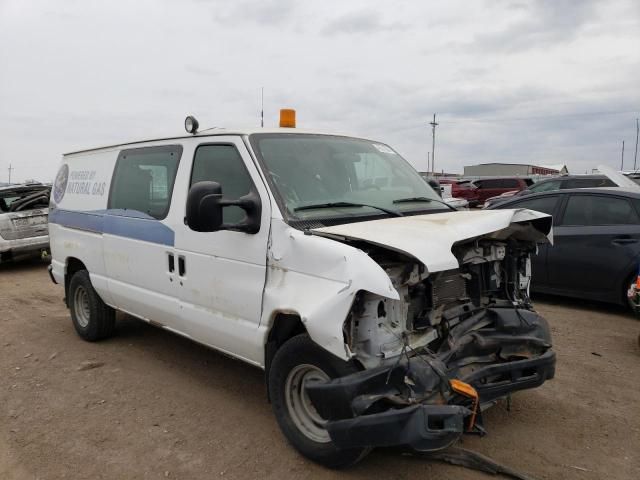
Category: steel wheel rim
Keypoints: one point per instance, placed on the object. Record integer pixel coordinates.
(81, 306)
(304, 415)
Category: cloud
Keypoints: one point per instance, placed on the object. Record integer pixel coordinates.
(540, 23)
(519, 80)
(364, 21)
(271, 13)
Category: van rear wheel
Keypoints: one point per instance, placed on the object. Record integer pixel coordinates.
(92, 318)
(296, 363)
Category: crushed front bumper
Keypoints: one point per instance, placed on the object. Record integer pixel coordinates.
(411, 402)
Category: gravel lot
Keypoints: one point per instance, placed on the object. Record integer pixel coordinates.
(149, 404)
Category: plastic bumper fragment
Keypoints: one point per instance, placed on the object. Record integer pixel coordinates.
(423, 427)
(495, 381)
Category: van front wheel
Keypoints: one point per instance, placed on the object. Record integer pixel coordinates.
(92, 318)
(298, 362)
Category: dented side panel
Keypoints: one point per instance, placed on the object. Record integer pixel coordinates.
(317, 279)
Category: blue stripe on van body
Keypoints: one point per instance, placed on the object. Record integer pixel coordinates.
(122, 223)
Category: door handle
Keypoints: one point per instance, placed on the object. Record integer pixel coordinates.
(181, 266)
(172, 262)
(624, 240)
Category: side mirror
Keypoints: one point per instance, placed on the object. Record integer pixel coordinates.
(205, 205)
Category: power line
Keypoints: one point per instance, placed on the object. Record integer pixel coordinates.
(540, 117)
(463, 120)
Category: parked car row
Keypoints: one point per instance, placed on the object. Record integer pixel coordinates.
(555, 183)
(486, 192)
(476, 192)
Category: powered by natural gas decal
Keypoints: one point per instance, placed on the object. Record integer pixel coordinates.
(83, 182)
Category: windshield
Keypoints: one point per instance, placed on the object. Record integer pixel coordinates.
(341, 176)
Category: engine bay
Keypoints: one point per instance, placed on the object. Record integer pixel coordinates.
(491, 274)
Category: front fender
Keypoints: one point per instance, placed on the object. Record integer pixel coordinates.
(317, 278)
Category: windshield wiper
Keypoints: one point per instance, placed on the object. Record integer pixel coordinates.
(395, 213)
(421, 199)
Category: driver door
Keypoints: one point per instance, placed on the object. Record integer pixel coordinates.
(221, 275)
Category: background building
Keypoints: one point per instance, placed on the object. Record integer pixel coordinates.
(509, 169)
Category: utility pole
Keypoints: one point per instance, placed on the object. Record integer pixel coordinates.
(622, 161)
(428, 162)
(10, 168)
(433, 144)
(262, 107)
(635, 156)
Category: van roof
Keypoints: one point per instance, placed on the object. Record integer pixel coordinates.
(211, 132)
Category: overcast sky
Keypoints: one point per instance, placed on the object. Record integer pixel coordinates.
(545, 82)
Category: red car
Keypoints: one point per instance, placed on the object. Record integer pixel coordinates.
(492, 187)
(462, 189)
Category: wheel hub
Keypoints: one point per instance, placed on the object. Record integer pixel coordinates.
(304, 415)
(81, 306)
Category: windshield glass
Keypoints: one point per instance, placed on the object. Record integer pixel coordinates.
(322, 170)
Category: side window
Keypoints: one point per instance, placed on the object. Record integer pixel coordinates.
(224, 165)
(546, 186)
(489, 184)
(544, 204)
(143, 180)
(510, 183)
(599, 210)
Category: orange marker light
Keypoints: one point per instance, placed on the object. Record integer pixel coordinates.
(467, 390)
(287, 118)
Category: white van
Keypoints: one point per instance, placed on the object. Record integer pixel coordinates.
(380, 315)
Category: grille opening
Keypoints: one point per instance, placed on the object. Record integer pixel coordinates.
(435, 423)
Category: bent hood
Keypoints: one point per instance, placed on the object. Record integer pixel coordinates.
(430, 238)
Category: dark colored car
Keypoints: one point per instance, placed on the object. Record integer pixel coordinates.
(462, 189)
(596, 242)
(557, 183)
(492, 187)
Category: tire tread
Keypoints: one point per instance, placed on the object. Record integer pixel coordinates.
(103, 317)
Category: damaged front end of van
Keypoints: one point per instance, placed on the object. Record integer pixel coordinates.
(460, 334)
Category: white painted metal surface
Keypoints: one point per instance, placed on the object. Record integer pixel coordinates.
(235, 283)
(429, 238)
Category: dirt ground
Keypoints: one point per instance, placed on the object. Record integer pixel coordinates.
(159, 406)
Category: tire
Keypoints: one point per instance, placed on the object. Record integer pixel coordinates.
(91, 317)
(297, 361)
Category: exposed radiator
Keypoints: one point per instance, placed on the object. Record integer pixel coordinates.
(449, 287)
